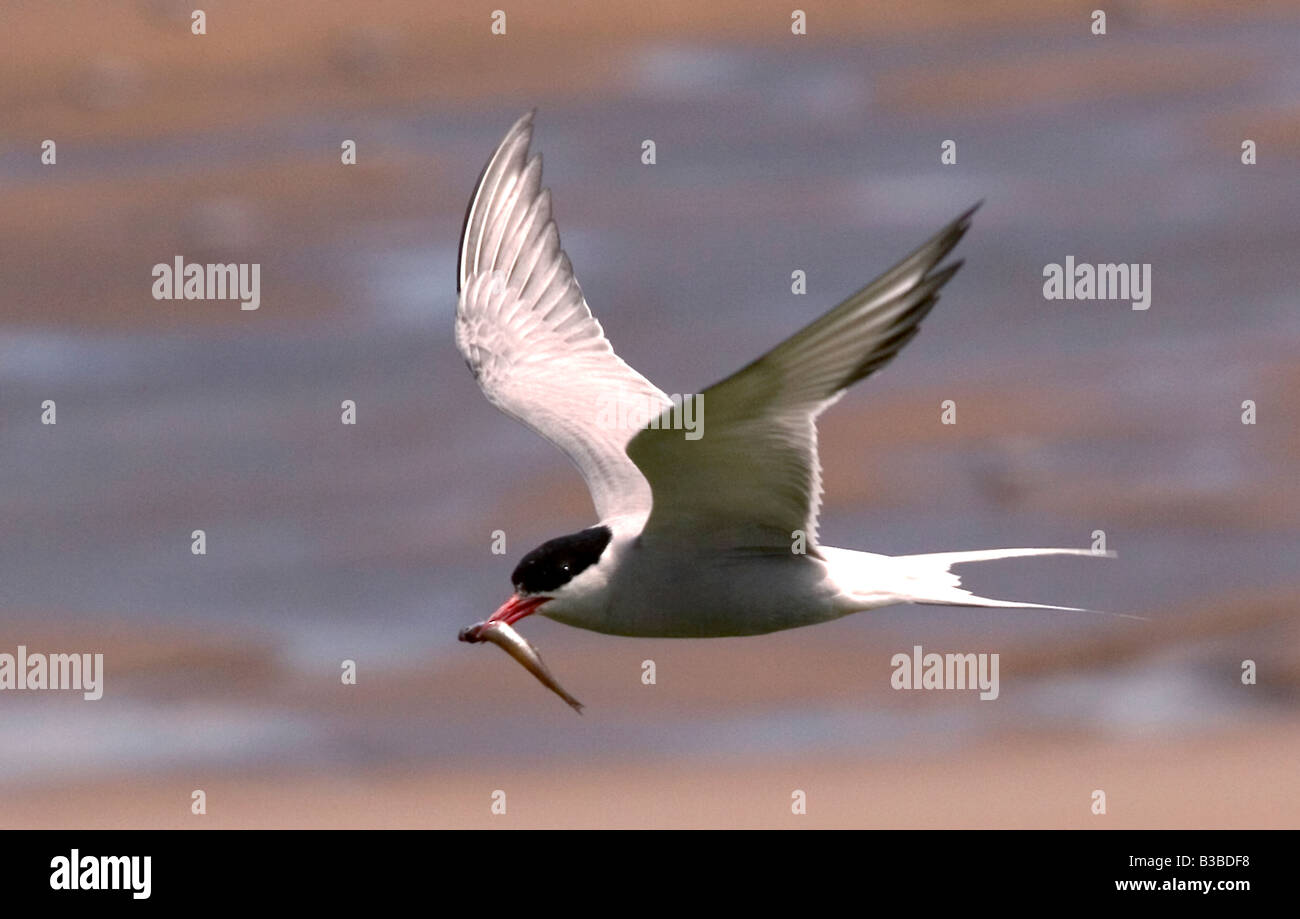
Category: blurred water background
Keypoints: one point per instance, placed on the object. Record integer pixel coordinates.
(820, 153)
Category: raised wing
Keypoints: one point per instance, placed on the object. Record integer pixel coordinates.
(526, 332)
(752, 478)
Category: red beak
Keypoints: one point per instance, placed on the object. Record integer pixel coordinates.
(511, 611)
(516, 608)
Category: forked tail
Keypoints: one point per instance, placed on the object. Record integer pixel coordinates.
(929, 578)
(939, 584)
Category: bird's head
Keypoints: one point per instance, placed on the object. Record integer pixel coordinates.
(561, 574)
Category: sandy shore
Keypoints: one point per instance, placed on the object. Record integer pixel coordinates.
(1027, 782)
(1021, 769)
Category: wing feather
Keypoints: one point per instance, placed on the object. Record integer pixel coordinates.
(753, 477)
(524, 328)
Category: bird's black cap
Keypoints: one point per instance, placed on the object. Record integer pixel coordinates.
(557, 561)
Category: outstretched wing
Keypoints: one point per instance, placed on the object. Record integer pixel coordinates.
(752, 477)
(526, 332)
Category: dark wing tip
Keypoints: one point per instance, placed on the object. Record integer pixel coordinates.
(954, 231)
(523, 123)
(965, 219)
(906, 327)
(942, 276)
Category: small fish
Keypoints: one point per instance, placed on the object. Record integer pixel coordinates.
(500, 633)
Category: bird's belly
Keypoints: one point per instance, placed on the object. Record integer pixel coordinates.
(739, 594)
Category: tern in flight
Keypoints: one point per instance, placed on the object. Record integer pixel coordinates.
(707, 535)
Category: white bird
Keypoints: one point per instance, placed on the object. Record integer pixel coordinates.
(697, 537)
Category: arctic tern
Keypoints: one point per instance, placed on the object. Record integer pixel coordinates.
(696, 538)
